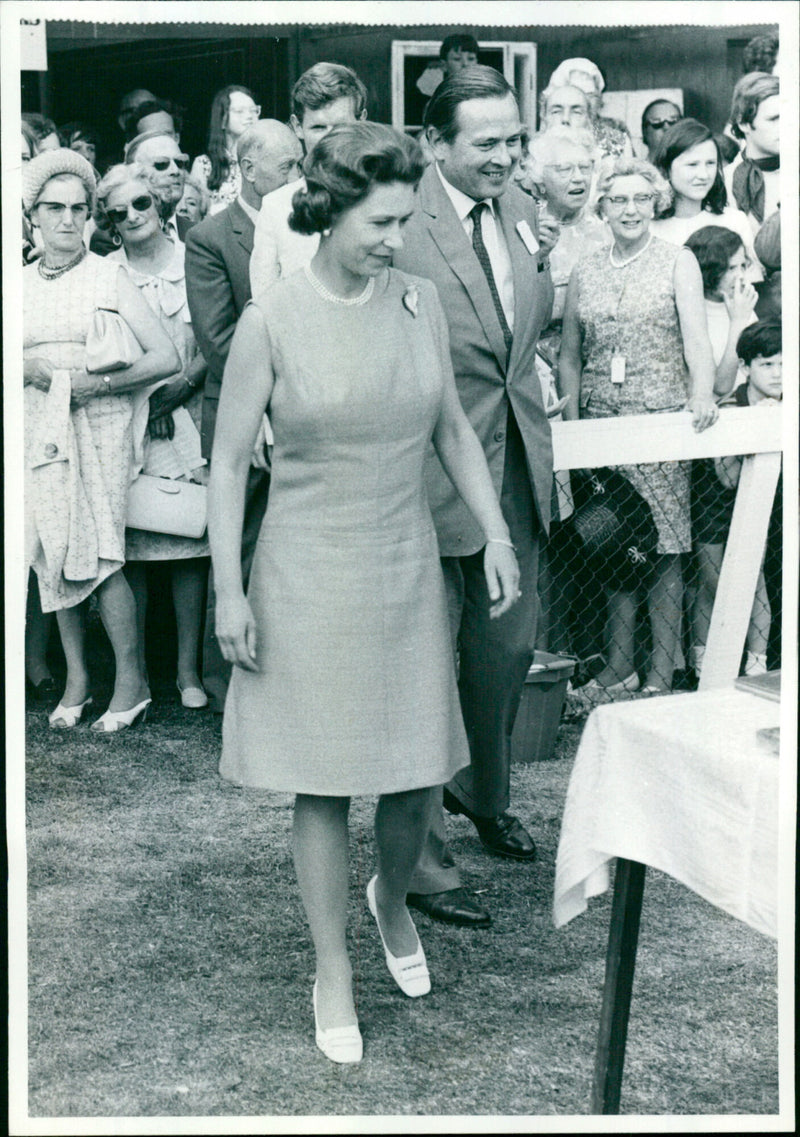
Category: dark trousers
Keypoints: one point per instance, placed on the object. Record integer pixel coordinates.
(216, 670)
(493, 659)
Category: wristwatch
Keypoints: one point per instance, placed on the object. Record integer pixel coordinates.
(106, 388)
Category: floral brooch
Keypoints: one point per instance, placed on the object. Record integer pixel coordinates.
(411, 299)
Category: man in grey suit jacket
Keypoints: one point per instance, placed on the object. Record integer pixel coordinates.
(218, 287)
(476, 236)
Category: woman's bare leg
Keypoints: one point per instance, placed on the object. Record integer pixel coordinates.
(188, 596)
(72, 629)
(665, 604)
(118, 613)
(401, 825)
(319, 845)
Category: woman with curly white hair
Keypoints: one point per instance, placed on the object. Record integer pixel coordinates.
(635, 341)
(168, 444)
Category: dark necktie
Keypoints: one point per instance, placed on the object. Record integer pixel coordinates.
(483, 256)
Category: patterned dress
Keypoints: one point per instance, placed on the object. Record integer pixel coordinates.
(57, 315)
(630, 311)
(228, 191)
(355, 691)
(165, 294)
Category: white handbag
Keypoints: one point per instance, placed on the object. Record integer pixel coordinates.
(167, 505)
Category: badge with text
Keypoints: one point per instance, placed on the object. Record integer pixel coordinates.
(528, 239)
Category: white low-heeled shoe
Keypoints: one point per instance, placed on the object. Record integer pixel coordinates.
(410, 972)
(65, 718)
(339, 1043)
(193, 698)
(112, 721)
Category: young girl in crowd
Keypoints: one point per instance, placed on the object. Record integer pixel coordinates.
(233, 109)
(714, 484)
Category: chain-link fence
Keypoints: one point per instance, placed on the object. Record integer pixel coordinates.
(632, 574)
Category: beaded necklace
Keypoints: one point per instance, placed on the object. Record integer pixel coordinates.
(54, 273)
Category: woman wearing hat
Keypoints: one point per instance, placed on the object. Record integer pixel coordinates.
(78, 442)
(611, 136)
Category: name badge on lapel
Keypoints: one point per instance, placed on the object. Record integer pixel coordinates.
(528, 239)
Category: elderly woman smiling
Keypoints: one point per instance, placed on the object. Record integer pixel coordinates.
(634, 341)
(78, 440)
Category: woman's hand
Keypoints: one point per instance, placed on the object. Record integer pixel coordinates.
(236, 631)
(740, 302)
(705, 411)
(549, 232)
(85, 387)
(38, 373)
(502, 577)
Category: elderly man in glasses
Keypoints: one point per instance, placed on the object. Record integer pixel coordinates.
(166, 167)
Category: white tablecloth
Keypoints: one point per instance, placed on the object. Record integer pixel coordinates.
(679, 783)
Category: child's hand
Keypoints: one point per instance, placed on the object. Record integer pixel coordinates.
(741, 301)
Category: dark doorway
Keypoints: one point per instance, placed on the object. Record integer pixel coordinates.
(88, 83)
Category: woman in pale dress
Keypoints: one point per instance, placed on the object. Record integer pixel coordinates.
(635, 341)
(344, 680)
(128, 205)
(233, 109)
(78, 438)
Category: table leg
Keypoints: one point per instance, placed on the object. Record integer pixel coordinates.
(623, 937)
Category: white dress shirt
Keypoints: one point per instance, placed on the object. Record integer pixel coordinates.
(277, 249)
(493, 239)
(251, 213)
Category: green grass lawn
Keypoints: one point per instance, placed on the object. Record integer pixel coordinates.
(170, 968)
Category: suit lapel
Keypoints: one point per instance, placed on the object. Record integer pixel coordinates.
(454, 245)
(242, 226)
(523, 269)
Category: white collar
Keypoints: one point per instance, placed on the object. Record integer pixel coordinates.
(251, 213)
(462, 204)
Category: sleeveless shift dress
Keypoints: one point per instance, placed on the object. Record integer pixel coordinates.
(355, 691)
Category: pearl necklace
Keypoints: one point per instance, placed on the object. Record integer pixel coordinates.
(54, 273)
(621, 264)
(348, 301)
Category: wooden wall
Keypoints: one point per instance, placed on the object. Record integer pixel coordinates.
(704, 61)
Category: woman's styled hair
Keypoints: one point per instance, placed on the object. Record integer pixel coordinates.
(205, 199)
(761, 53)
(676, 141)
(38, 126)
(476, 82)
(324, 83)
(545, 145)
(216, 149)
(345, 165)
(116, 176)
(612, 168)
(760, 339)
(748, 95)
(713, 245)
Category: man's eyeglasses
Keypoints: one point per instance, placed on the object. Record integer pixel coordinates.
(566, 169)
(661, 123)
(640, 200)
(138, 205)
(162, 164)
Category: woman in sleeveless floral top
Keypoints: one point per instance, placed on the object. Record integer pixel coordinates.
(634, 341)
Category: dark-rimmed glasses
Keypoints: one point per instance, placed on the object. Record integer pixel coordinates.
(640, 200)
(139, 204)
(57, 208)
(661, 123)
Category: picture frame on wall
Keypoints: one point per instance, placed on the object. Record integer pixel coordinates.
(417, 71)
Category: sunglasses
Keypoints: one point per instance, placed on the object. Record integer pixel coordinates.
(164, 163)
(138, 205)
(661, 123)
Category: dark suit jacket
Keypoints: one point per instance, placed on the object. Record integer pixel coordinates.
(436, 246)
(217, 287)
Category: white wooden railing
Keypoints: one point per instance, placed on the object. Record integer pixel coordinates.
(752, 431)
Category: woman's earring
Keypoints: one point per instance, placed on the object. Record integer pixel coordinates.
(116, 240)
(326, 232)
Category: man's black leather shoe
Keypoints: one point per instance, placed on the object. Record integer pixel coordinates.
(455, 906)
(504, 834)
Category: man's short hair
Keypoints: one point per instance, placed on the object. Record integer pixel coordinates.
(325, 82)
(748, 95)
(762, 339)
(476, 82)
(148, 107)
(459, 41)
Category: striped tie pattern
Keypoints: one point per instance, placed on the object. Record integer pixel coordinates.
(482, 254)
